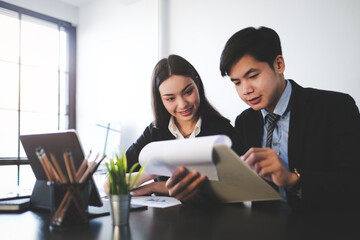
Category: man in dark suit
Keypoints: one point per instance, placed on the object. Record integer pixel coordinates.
(304, 141)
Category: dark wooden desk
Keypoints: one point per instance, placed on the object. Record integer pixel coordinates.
(193, 222)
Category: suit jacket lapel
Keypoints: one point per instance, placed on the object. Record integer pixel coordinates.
(260, 130)
(297, 125)
(255, 130)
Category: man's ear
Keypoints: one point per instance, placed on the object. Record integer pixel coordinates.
(279, 64)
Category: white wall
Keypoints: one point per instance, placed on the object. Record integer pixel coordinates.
(320, 40)
(117, 50)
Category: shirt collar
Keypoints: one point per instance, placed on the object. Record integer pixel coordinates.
(175, 131)
(282, 106)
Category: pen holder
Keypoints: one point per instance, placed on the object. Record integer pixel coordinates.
(68, 203)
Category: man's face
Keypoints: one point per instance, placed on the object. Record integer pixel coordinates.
(257, 84)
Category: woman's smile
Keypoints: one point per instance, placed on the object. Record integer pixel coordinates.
(186, 113)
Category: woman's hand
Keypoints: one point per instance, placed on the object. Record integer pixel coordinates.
(148, 189)
(144, 177)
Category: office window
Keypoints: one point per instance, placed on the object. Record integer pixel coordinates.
(37, 85)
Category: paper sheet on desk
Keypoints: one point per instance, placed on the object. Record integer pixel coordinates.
(155, 201)
(163, 157)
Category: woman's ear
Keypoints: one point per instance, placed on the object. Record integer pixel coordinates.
(279, 64)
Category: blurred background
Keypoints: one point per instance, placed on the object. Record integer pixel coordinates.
(118, 43)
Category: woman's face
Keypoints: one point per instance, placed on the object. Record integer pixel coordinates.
(180, 97)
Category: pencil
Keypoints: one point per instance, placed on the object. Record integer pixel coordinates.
(81, 170)
(93, 170)
(61, 210)
(77, 200)
(72, 165)
(52, 171)
(68, 168)
(67, 195)
(74, 193)
(82, 167)
(45, 169)
(58, 168)
(87, 172)
(65, 203)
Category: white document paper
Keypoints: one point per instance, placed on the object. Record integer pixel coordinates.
(155, 201)
(163, 157)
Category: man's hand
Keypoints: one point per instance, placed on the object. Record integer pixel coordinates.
(184, 184)
(266, 163)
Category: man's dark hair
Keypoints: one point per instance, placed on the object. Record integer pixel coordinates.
(263, 44)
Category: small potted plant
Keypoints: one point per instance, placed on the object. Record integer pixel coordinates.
(120, 186)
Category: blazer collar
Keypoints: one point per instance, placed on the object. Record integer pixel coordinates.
(298, 117)
(256, 130)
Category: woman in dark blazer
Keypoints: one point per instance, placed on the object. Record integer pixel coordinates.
(212, 122)
(181, 110)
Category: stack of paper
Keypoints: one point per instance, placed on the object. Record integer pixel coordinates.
(163, 157)
(231, 180)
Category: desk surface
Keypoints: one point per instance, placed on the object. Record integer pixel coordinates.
(234, 221)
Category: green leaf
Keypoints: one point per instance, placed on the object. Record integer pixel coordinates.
(138, 176)
(117, 168)
(124, 161)
(131, 171)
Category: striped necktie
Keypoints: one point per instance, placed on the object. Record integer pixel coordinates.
(272, 119)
